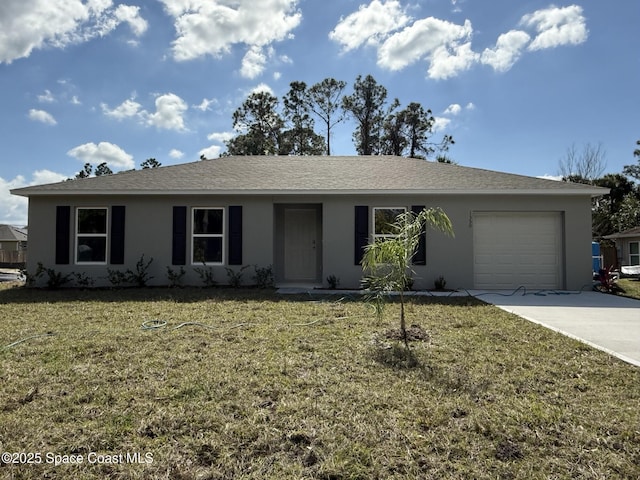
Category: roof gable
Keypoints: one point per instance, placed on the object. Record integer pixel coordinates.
(310, 174)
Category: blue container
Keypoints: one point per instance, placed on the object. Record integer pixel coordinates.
(595, 256)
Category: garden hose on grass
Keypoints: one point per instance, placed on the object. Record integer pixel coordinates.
(153, 324)
(48, 334)
(159, 324)
(539, 293)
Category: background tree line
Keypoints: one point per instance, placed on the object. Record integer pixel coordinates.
(620, 209)
(267, 125)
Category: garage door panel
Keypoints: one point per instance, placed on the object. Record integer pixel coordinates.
(513, 249)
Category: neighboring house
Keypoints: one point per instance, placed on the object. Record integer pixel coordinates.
(310, 217)
(628, 249)
(13, 239)
(13, 245)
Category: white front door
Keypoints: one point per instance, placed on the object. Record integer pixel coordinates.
(300, 244)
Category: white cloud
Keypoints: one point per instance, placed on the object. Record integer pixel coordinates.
(221, 136)
(432, 39)
(131, 15)
(262, 87)
(507, 51)
(211, 152)
(453, 109)
(113, 155)
(46, 97)
(206, 104)
(42, 116)
(13, 209)
(253, 63)
(175, 153)
(169, 113)
(26, 25)
(206, 27)
(128, 108)
(451, 113)
(449, 62)
(556, 26)
(440, 123)
(369, 25)
(446, 46)
(557, 178)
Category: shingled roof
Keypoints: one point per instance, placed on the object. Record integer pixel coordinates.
(310, 174)
(9, 233)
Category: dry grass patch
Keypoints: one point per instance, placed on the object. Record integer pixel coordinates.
(295, 387)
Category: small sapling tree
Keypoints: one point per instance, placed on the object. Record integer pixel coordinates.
(387, 262)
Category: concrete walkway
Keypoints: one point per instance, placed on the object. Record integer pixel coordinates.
(607, 322)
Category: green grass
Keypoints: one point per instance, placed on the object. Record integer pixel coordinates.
(631, 287)
(304, 388)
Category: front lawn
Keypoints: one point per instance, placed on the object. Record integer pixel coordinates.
(631, 287)
(244, 384)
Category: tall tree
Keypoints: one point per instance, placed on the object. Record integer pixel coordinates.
(260, 126)
(150, 163)
(420, 124)
(324, 99)
(408, 132)
(366, 106)
(85, 172)
(605, 209)
(394, 139)
(103, 169)
(583, 166)
(301, 138)
(634, 170)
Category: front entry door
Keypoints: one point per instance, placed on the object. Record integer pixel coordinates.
(301, 244)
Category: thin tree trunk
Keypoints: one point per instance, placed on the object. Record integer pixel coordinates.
(403, 325)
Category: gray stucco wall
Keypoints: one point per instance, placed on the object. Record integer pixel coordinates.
(148, 231)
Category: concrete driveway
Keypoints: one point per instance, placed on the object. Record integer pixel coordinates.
(606, 322)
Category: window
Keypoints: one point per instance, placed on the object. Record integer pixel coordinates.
(383, 219)
(208, 236)
(91, 235)
(634, 253)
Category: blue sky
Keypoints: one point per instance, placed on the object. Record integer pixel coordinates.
(515, 83)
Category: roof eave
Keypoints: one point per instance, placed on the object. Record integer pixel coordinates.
(595, 192)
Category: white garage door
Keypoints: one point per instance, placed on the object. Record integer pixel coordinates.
(513, 249)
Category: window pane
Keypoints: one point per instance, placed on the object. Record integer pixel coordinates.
(92, 220)
(207, 250)
(384, 218)
(92, 249)
(634, 248)
(207, 221)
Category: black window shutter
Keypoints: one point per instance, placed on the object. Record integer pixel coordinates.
(235, 235)
(361, 237)
(179, 244)
(420, 255)
(117, 234)
(63, 234)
